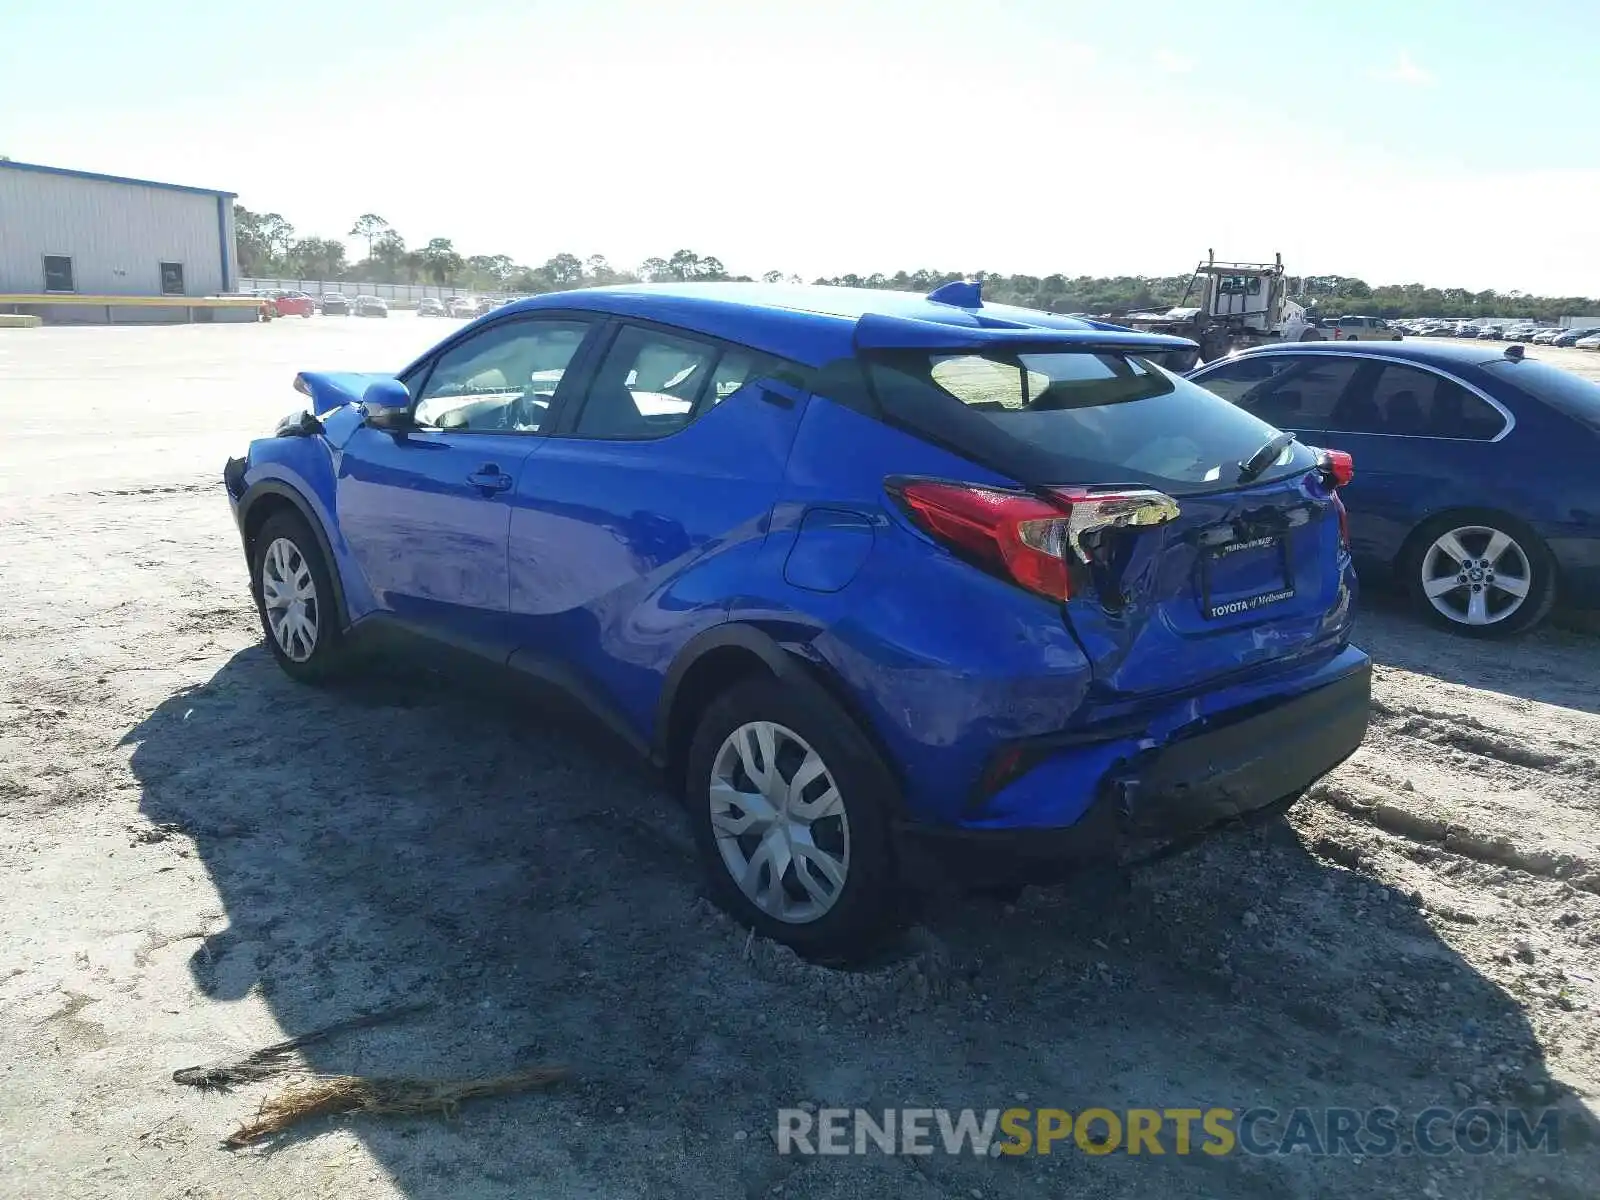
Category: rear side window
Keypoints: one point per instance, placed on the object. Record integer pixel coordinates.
(1079, 417)
(1410, 402)
(1563, 391)
(647, 387)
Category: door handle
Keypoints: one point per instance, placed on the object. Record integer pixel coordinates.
(489, 478)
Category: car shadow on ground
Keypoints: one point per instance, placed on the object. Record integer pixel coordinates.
(406, 839)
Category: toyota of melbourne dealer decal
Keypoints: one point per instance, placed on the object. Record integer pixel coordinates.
(1251, 602)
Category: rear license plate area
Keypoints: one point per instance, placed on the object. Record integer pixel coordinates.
(1240, 577)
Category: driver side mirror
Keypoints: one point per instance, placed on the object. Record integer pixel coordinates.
(386, 404)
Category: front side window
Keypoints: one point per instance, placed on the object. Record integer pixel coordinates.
(735, 369)
(171, 279)
(1288, 391)
(501, 379)
(1093, 417)
(648, 386)
(58, 273)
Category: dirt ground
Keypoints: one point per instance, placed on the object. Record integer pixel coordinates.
(201, 857)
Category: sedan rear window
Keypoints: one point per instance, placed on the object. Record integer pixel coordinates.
(1091, 417)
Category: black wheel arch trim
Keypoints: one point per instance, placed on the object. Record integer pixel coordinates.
(263, 488)
(796, 666)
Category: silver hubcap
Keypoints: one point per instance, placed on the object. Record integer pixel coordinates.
(1476, 575)
(780, 822)
(289, 598)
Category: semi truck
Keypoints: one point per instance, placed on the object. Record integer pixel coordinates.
(1230, 306)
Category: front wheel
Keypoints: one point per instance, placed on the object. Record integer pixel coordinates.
(1484, 575)
(294, 595)
(789, 808)
(1215, 345)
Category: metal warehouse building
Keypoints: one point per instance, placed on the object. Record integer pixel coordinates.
(76, 246)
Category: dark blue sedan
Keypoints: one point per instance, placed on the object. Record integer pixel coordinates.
(1477, 470)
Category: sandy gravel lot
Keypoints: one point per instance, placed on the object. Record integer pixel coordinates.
(200, 857)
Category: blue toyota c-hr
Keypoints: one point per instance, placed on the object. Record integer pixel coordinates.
(891, 587)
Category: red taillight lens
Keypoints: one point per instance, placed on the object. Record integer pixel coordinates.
(1029, 539)
(1012, 533)
(1338, 467)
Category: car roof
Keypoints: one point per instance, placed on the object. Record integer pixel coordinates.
(1425, 353)
(816, 324)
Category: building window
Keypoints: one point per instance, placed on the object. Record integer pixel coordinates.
(58, 273)
(172, 279)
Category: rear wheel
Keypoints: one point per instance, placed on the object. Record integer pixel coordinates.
(788, 804)
(1484, 574)
(294, 595)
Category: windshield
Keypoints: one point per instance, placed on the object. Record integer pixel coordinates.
(1561, 390)
(1084, 417)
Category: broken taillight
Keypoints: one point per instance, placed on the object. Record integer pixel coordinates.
(1338, 468)
(1031, 539)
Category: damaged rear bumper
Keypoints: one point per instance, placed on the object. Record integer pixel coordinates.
(1237, 765)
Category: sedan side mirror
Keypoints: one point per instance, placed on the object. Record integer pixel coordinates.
(386, 404)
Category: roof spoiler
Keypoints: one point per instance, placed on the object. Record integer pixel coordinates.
(874, 331)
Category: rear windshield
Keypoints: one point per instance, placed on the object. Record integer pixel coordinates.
(1080, 417)
(1561, 390)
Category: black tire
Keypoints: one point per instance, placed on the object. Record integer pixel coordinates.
(868, 908)
(1541, 573)
(1214, 345)
(1310, 335)
(328, 657)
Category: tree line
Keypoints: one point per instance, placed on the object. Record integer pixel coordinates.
(269, 246)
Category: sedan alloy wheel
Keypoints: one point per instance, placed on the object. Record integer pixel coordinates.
(1476, 575)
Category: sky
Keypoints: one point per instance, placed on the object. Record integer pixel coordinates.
(1450, 143)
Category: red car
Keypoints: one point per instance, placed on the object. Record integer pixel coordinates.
(292, 304)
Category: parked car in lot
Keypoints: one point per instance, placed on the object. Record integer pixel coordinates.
(1592, 342)
(484, 305)
(335, 304)
(370, 306)
(1571, 337)
(1475, 485)
(293, 304)
(461, 306)
(891, 588)
(430, 306)
(1358, 329)
(1546, 337)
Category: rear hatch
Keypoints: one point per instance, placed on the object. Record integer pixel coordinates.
(1184, 539)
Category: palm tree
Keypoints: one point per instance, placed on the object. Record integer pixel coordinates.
(370, 227)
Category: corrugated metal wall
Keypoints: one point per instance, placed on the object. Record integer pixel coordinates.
(116, 234)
